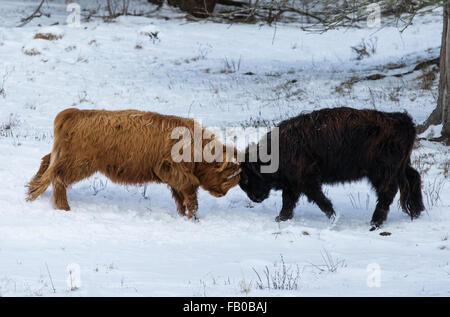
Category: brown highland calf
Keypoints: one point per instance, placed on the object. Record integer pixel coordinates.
(129, 147)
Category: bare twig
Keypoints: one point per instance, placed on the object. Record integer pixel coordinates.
(36, 14)
(50, 277)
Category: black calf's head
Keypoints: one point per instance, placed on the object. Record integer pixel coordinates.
(253, 183)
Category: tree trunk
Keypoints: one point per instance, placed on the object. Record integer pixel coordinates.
(441, 114)
(444, 84)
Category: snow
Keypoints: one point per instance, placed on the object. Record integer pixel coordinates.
(127, 243)
(432, 131)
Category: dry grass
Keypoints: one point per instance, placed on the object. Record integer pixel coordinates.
(365, 49)
(283, 278)
(258, 122)
(432, 191)
(394, 94)
(423, 162)
(330, 264)
(231, 66)
(48, 36)
(6, 128)
(153, 36)
(30, 52)
(446, 168)
(346, 87)
(427, 78)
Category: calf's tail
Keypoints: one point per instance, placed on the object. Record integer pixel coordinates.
(411, 192)
(40, 182)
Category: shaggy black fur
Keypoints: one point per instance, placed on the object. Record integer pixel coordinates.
(340, 145)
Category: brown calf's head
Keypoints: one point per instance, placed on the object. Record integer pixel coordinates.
(219, 177)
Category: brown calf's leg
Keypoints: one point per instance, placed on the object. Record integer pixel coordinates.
(60, 195)
(183, 184)
(179, 199)
(190, 201)
(66, 173)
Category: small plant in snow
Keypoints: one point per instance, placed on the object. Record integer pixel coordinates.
(356, 201)
(427, 78)
(153, 36)
(203, 50)
(432, 191)
(283, 278)
(330, 264)
(6, 128)
(446, 168)
(423, 162)
(231, 66)
(151, 32)
(30, 52)
(74, 276)
(51, 279)
(245, 287)
(3, 83)
(98, 185)
(346, 87)
(365, 48)
(258, 122)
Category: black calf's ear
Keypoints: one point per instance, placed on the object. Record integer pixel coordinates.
(254, 169)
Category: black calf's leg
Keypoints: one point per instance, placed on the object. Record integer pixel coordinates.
(289, 201)
(386, 195)
(316, 195)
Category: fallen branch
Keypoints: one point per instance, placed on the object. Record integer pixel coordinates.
(419, 66)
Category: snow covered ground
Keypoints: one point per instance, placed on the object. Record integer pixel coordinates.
(129, 243)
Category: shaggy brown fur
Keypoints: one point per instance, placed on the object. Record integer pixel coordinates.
(129, 147)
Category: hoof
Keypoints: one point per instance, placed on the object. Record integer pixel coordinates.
(375, 226)
(332, 217)
(283, 218)
(193, 217)
(60, 205)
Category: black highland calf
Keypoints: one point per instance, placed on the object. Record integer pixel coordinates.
(340, 145)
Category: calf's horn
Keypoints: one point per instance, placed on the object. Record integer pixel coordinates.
(235, 173)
